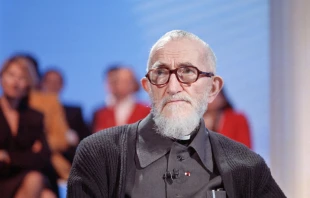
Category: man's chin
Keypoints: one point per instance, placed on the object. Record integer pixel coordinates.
(170, 111)
(174, 114)
(175, 125)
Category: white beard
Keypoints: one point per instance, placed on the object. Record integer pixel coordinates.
(179, 123)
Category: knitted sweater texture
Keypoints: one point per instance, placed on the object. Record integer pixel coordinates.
(99, 167)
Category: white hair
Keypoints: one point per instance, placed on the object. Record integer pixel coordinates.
(179, 125)
(181, 34)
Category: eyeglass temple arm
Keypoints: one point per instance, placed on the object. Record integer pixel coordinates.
(208, 74)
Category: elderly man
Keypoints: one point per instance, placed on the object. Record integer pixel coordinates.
(170, 153)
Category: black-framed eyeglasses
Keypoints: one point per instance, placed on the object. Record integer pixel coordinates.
(184, 74)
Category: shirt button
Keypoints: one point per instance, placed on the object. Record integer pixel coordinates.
(178, 195)
(180, 158)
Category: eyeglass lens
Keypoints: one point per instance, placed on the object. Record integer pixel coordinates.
(184, 74)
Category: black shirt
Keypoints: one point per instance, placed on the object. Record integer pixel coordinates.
(166, 168)
(103, 160)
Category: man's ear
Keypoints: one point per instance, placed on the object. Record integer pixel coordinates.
(145, 84)
(217, 85)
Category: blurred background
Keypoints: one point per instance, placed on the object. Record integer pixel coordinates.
(83, 39)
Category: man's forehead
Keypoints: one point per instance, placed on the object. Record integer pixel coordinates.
(159, 63)
(181, 42)
(182, 51)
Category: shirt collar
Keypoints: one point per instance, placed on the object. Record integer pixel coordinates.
(151, 146)
(201, 144)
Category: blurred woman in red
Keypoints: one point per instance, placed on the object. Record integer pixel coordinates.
(24, 153)
(221, 117)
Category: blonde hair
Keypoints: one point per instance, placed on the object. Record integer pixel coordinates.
(25, 65)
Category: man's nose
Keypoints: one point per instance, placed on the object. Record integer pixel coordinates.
(174, 86)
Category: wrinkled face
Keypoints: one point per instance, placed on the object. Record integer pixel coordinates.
(177, 99)
(52, 83)
(15, 81)
(121, 83)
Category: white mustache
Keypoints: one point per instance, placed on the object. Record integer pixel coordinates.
(175, 98)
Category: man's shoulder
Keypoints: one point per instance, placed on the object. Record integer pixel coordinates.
(113, 136)
(242, 168)
(234, 153)
(105, 146)
(106, 134)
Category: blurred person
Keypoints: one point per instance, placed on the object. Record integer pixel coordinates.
(171, 153)
(55, 124)
(122, 107)
(222, 117)
(53, 82)
(32, 59)
(25, 166)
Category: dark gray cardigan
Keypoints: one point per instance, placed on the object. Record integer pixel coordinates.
(99, 167)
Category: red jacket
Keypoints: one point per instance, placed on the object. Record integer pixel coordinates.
(235, 126)
(105, 118)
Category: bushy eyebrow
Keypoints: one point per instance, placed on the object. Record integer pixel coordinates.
(185, 64)
(158, 64)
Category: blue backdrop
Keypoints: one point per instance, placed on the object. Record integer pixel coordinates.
(82, 38)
